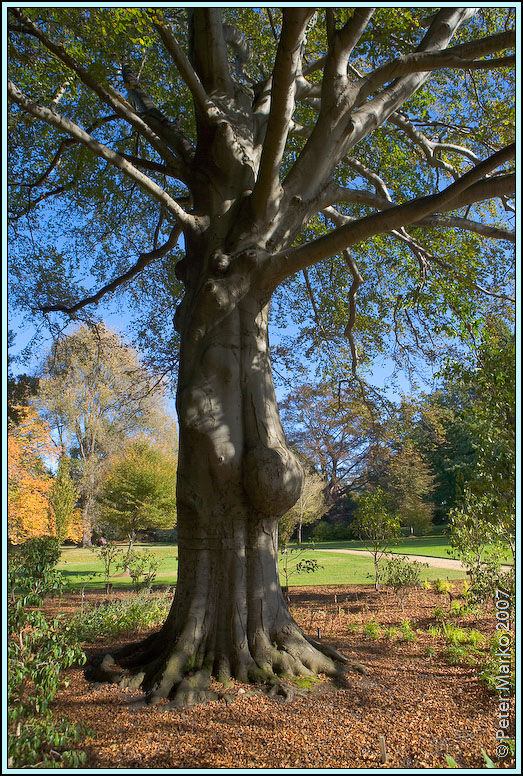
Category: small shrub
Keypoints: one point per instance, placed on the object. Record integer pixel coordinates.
(112, 557)
(406, 632)
(400, 574)
(37, 652)
(456, 655)
(143, 567)
(120, 617)
(489, 667)
(455, 635)
(290, 562)
(476, 639)
(31, 570)
(426, 584)
(372, 630)
(443, 586)
(439, 613)
(456, 609)
(392, 633)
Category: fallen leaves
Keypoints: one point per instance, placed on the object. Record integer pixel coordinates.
(424, 708)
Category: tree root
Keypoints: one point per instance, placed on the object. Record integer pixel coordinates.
(181, 674)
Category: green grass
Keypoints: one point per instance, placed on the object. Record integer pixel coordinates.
(434, 546)
(78, 563)
(338, 569)
(342, 569)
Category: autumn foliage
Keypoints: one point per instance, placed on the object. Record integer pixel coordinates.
(29, 484)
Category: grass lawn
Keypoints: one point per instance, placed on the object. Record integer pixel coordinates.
(345, 569)
(435, 546)
(78, 565)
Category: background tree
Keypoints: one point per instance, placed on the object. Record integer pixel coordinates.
(483, 520)
(333, 429)
(29, 447)
(376, 149)
(95, 393)
(410, 485)
(139, 491)
(20, 388)
(311, 506)
(342, 434)
(63, 497)
(377, 526)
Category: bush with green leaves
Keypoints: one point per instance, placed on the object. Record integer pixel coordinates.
(143, 567)
(406, 632)
(112, 558)
(31, 570)
(489, 673)
(480, 542)
(38, 650)
(400, 574)
(456, 635)
(376, 526)
(445, 587)
(117, 618)
(372, 630)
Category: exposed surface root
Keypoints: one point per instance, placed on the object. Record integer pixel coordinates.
(182, 673)
(338, 657)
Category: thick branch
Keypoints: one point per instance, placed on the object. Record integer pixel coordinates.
(467, 190)
(288, 60)
(335, 134)
(182, 62)
(65, 125)
(337, 194)
(209, 53)
(470, 226)
(143, 261)
(342, 45)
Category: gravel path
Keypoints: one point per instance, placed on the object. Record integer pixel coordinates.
(440, 563)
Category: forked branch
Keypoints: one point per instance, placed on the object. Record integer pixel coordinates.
(287, 63)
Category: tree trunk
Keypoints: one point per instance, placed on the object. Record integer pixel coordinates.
(236, 477)
(87, 520)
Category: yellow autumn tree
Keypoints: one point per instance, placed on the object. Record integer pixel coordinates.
(29, 443)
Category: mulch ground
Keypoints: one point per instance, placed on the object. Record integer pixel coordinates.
(424, 708)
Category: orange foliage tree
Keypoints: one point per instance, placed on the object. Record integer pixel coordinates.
(29, 442)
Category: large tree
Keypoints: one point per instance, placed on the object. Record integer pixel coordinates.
(273, 140)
